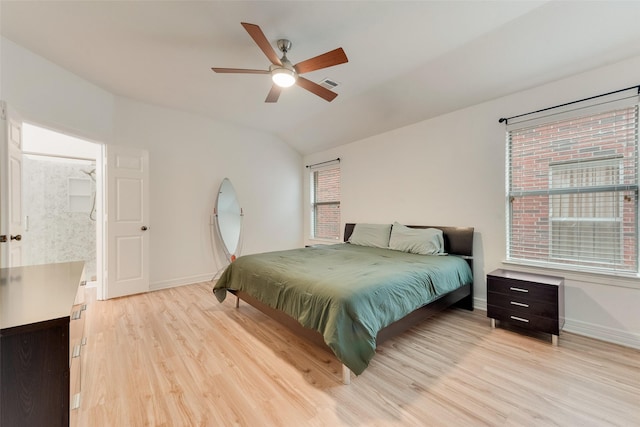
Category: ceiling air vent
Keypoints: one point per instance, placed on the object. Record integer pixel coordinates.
(328, 84)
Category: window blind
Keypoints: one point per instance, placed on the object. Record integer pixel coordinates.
(572, 186)
(325, 201)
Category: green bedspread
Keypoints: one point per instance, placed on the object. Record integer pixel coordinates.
(346, 292)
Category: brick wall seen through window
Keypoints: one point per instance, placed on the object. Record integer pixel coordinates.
(325, 203)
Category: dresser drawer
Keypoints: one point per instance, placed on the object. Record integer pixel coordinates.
(522, 304)
(523, 290)
(515, 317)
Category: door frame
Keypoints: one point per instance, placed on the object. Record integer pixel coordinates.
(10, 226)
(4, 177)
(100, 191)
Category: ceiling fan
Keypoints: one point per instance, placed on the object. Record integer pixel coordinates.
(283, 73)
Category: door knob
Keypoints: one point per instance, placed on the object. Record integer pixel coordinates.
(17, 237)
(144, 228)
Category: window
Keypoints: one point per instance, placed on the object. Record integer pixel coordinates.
(325, 202)
(572, 187)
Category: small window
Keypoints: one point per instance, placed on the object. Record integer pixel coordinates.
(325, 203)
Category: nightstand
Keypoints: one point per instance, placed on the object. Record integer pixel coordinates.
(531, 301)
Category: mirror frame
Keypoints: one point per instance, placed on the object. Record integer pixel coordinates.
(229, 207)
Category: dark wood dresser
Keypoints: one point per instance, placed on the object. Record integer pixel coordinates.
(531, 301)
(36, 303)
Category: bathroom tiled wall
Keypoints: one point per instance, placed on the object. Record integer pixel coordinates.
(55, 233)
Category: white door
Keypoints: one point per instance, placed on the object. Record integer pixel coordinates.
(11, 216)
(127, 221)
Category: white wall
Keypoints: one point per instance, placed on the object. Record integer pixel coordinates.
(189, 157)
(450, 170)
(53, 97)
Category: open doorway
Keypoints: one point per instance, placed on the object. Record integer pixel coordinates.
(62, 200)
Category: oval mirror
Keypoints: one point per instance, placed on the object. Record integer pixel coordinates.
(228, 218)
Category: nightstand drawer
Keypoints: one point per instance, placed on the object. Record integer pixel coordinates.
(522, 304)
(523, 290)
(542, 324)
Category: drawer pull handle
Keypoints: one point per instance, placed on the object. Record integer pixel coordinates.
(75, 401)
(519, 319)
(519, 289)
(76, 315)
(519, 304)
(76, 351)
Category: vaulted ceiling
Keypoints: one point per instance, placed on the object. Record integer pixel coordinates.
(408, 60)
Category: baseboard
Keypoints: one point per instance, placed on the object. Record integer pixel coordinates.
(602, 333)
(480, 304)
(181, 281)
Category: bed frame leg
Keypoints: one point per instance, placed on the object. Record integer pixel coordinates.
(237, 301)
(465, 303)
(346, 375)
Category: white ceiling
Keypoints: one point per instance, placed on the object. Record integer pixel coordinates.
(408, 60)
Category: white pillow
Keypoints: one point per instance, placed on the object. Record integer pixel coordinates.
(374, 235)
(423, 241)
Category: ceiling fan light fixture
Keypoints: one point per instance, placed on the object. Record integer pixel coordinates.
(283, 77)
(283, 73)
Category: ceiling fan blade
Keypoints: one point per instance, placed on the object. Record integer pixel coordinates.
(329, 59)
(315, 88)
(261, 40)
(274, 94)
(239, 70)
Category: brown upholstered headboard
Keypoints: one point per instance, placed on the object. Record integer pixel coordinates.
(457, 240)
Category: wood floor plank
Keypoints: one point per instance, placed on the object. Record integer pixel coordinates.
(177, 357)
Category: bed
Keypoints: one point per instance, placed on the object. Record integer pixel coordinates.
(352, 297)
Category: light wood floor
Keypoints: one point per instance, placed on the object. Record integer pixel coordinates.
(177, 357)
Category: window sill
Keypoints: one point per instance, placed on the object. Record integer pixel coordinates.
(622, 280)
(322, 242)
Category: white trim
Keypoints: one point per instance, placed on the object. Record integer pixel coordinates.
(323, 241)
(630, 280)
(59, 156)
(602, 333)
(480, 304)
(181, 281)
